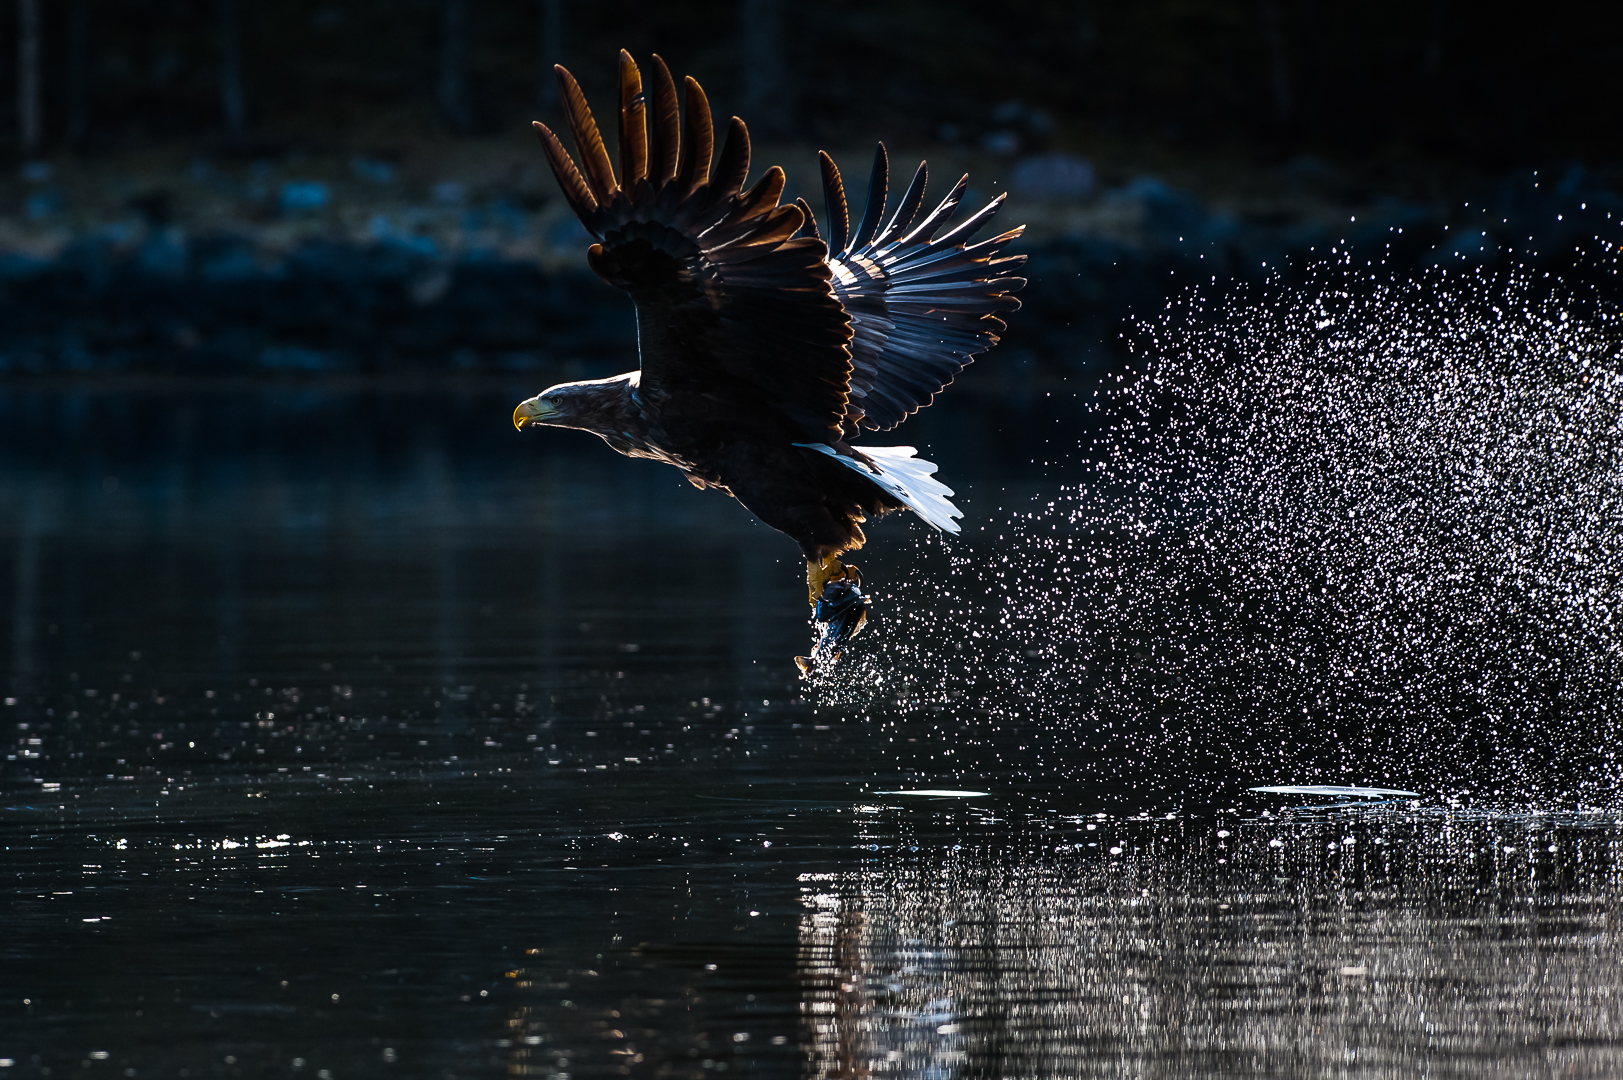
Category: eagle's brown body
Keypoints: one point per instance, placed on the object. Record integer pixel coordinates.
(764, 351)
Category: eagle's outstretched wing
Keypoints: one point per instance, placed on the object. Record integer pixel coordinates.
(921, 305)
(728, 297)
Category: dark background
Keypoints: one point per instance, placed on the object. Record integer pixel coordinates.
(1494, 85)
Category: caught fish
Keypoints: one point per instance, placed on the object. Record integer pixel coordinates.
(840, 614)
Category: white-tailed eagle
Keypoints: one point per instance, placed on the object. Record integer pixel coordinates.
(767, 349)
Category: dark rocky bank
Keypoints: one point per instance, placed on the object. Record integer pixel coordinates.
(161, 301)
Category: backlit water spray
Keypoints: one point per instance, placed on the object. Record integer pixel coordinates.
(1350, 532)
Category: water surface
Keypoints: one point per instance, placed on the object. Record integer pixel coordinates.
(351, 733)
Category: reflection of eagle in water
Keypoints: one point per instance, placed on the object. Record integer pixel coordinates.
(765, 351)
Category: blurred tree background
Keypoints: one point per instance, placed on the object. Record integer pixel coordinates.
(1492, 85)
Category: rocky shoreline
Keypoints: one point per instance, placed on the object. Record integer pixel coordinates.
(491, 287)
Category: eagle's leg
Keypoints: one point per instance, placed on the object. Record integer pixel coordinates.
(820, 572)
(838, 607)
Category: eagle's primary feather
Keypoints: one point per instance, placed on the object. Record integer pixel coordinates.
(765, 350)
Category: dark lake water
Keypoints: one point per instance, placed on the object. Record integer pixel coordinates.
(350, 733)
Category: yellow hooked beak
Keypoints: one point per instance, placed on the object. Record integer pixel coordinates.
(533, 411)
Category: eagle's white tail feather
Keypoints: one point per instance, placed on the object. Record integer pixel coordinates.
(905, 475)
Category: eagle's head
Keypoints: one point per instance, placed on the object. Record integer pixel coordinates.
(598, 405)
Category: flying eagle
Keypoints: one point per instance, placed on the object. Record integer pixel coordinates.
(766, 350)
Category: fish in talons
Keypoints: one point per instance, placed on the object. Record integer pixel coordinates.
(840, 614)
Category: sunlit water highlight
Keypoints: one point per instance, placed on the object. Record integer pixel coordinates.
(1252, 946)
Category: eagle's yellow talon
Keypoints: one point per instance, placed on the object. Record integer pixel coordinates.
(819, 574)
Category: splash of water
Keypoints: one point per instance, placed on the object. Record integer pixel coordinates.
(1358, 532)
